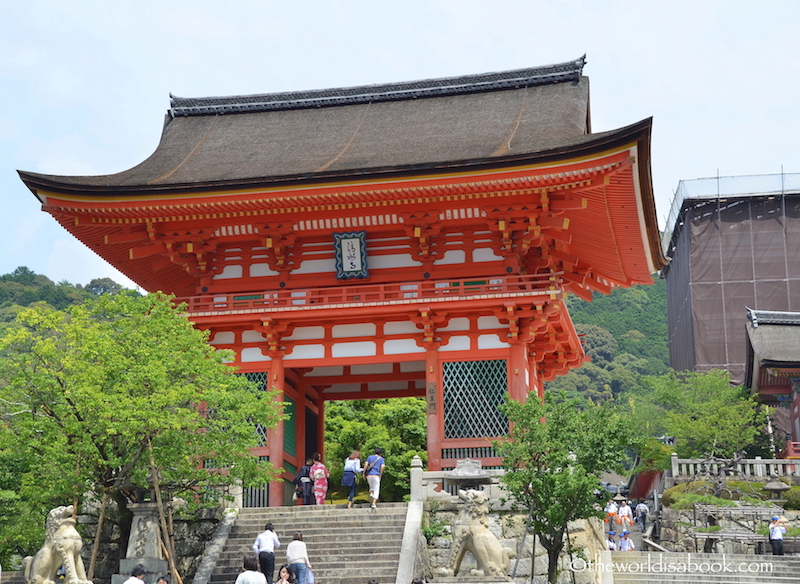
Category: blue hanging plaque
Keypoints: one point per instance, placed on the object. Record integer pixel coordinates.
(351, 255)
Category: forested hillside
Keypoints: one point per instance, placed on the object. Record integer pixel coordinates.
(636, 317)
(625, 334)
(23, 287)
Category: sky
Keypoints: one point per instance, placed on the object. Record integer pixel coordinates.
(85, 84)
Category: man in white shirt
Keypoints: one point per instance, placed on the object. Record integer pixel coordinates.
(625, 543)
(625, 515)
(776, 531)
(137, 575)
(265, 545)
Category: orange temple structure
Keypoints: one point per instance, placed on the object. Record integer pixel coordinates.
(408, 239)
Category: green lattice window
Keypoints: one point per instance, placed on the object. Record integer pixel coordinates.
(472, 392)
(290, 427)
(260, 378)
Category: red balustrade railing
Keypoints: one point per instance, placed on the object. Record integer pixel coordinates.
(374, 294)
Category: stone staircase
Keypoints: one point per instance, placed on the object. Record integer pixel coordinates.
(13, 577)
(343, 544)
(697, 568)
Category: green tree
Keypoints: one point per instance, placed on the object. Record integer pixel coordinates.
(705, 413)
(86, 392)
(397, 425)
(103, 286)
(637, 319)
(24, 287)
(553, 457)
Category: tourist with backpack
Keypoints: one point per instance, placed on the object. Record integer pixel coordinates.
(352, 468)
(373, 470)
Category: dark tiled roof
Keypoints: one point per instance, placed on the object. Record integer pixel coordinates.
(479, 121)
(762, 317)
(569, 71)
(774, 337)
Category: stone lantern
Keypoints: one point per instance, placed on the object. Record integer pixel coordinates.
(776, 488)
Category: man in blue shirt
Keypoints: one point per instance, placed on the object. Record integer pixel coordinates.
(373, 470)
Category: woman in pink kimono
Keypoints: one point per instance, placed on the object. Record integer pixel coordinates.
(319, 474)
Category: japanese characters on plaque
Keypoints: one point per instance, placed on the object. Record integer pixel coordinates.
(431, 398)
(351, 254)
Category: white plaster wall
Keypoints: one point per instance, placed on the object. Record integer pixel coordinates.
(458, 343)
(356, 349)
(223, 338)
(307, 332)
(229, 272)
(453, 256)
(260, 270)
(400, 328)
(491, 342)
(253, 337)
(485, 254)
(393, 260)
(372, 369)
(306, 352)
(489, 322)
(401, 346)
(327, 266)
(253, 354)
(362, 329)
(456, 324)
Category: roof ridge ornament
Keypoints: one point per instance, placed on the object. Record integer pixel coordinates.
(459, 85)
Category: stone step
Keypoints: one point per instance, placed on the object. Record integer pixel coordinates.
(235, 554)
(342, 543)
(248, 537)
(234, 563)
(286, 535)
(13, 577)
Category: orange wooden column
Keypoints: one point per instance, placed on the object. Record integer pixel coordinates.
(518, 378)
(276, 435)
(433, 397)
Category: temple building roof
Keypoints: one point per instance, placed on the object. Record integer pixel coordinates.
(515, 143)
(774, 336)
(373, 130)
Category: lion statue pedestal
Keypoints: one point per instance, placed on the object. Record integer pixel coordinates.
(471, 534)
(62, 547)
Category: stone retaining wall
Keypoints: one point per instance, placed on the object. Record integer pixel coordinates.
(508, 527)
(192, 533)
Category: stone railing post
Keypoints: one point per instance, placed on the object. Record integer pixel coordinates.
(675, 473)
(416, 479)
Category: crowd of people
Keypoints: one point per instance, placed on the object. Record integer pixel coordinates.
(311, 487)
(624, 516)
(311, 482)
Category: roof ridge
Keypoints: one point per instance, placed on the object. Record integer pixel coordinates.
(785, 317)
(477, 83)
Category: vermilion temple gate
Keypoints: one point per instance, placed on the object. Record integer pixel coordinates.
(410, 239)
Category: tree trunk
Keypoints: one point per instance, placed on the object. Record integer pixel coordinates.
(554, 547)
(96, 546)
(173, 568)
(125, 522)
(552, 564)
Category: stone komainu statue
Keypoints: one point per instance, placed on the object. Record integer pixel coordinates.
(471, 534)
(62, 547)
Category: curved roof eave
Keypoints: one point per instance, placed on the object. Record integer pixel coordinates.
(583, 146)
